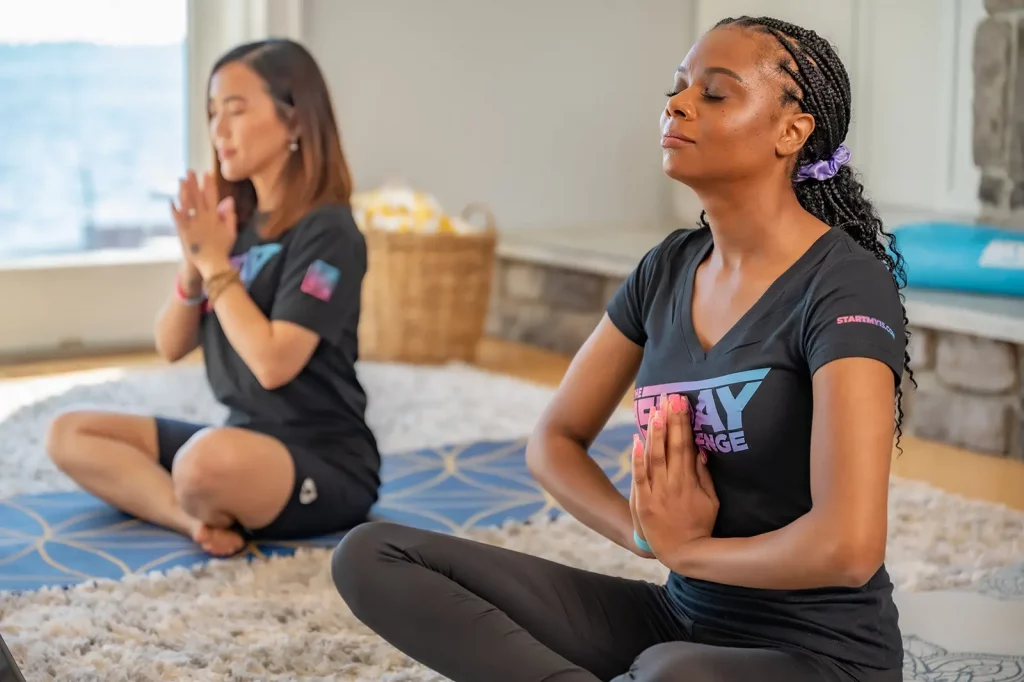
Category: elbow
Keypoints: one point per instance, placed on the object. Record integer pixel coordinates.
(272, 374)
(535, 452)
(168, 353)
(539, 451)
(854, 562)
(271, 378)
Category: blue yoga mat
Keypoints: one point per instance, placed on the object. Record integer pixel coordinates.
(977, 259)
(59, 539)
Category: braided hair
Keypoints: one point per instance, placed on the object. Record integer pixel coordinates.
(820, 86)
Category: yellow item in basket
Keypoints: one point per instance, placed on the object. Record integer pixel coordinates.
(398, 208)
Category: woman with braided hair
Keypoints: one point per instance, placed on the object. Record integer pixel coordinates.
(766, 349)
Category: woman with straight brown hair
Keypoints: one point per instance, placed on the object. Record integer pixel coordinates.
(269, 288)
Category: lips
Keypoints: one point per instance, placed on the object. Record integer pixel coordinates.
(675, 138)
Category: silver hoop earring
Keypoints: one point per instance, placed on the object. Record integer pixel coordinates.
(294, 146)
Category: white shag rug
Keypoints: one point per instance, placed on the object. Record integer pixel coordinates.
(280, 619)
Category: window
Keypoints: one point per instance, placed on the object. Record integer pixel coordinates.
(94, 120)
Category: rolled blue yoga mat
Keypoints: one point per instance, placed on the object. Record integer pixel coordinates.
(971, 258)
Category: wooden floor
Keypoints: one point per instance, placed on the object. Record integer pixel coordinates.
(955, 470)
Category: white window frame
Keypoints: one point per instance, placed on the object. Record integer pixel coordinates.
(106, 301)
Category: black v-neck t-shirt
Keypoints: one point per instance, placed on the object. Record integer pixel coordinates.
(312, 276)
(752, 400)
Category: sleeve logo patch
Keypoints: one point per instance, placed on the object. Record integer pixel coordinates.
(864, 319)
(320, 280)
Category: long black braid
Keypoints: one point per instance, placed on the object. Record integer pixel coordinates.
(821, 87)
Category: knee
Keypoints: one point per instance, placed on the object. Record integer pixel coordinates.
(356, 560)
(62, 436)
(207, 463)
(667, 661)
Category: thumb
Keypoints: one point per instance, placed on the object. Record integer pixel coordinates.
(704, 476)
(226, 210)
(640, 479)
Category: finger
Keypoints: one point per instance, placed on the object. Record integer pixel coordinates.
(175, 214)
(181, 195)
(192, 195)
(226, 210)
(656, 463)
(686, 429)
(209, 191)
(693, 453)
(704, 477)
(640, 481)
(184, 201)
(678, 458)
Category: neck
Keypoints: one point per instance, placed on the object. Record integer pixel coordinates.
(268, 186)
(754, 221)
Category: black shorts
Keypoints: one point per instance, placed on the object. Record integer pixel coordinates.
(325, 499)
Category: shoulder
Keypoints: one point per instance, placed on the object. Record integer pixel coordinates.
(326, 225)
(850, 268)
(675, 249)
(328, 218)
(851, 284)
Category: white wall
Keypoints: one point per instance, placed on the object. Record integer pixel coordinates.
(548, 111)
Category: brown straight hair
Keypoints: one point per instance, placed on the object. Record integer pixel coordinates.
(317, 172)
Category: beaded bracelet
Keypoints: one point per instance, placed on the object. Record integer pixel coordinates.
(216, 285)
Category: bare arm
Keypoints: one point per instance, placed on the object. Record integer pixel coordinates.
(177, 325)
(557, 452)
(841, 541)
(274, 351)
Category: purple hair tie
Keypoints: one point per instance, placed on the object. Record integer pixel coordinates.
(823, 170)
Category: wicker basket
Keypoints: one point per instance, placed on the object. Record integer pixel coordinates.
(426, 296)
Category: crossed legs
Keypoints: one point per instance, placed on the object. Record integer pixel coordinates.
(472, 611)
(220, 476)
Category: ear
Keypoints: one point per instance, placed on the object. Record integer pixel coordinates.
(795, 131)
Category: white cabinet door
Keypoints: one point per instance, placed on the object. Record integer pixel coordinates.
(914, 80)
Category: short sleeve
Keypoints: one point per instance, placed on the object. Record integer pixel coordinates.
(322, 275)
(627, 307)
(855, 311)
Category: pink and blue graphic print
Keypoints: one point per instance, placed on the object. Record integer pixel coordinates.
(716, 407)
(250, 263)
(320, 280)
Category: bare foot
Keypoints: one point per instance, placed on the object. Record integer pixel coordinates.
(217, 541)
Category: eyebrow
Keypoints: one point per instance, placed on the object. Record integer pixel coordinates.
(713, 70)
(228, 100)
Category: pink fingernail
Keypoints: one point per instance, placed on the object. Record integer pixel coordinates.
(658, 420)
(638, 447)
(674, 402)
(703, 456)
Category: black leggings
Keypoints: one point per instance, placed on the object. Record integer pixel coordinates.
(478, 613)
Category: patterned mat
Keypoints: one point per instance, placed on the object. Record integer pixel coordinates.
(58, 539)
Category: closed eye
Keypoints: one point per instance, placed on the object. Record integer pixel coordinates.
(705, 94)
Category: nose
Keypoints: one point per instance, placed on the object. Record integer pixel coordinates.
(218, 128)
(681, 105)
